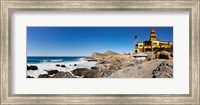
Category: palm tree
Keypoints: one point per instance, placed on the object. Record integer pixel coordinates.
(135, 39)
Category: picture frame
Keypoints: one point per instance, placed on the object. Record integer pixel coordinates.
(8, 6)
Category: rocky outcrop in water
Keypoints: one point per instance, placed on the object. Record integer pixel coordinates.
(58, 65)
(30, 76)
(43, 76)
(32, 67)
(51, 72)
(62, 66)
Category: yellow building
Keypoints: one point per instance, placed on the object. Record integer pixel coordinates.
(153, 44)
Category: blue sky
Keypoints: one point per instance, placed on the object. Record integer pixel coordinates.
(83, 41)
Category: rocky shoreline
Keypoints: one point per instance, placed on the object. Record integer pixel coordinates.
(114, 65)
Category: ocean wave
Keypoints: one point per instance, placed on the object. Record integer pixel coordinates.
(34, 61)
(55, 60)
(81, 59)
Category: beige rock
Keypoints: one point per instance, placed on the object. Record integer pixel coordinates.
(150, 57)
(163, 55)
(157, 55)
(91, 74)
(62, 74)
(164, 70)
(110, 66)
(143, 70)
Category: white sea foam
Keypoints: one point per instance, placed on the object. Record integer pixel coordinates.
(81, 63)
(56, 60)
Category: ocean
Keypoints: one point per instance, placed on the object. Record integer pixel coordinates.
(36, 60)
(49, 63)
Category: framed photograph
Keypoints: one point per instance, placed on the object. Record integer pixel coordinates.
(99, 52)
(64, 53)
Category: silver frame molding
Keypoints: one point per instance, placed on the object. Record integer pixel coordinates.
(8, 6)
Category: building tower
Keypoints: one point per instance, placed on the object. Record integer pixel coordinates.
(153, 35)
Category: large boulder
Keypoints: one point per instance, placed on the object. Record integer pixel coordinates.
(86, 73)
(43, 76)
(62, 66)
(32, 67)
(163, 55)
(164, 70)
(30, 76)
(62, 74)
(91, 74)
(51, 72)
(94, 68)
(28, 68)
(79, 71)
(58, 65)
